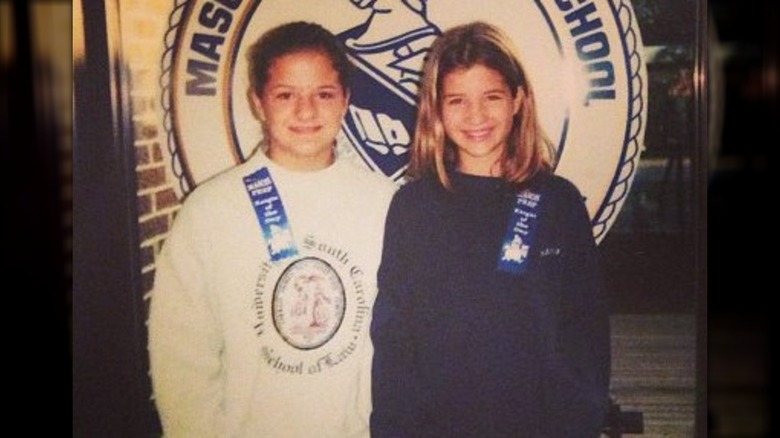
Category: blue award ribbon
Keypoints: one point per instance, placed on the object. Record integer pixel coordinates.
(270, 214)
(521, 230)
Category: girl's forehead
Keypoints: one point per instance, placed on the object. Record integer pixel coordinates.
(476, 66)
(476, 74)
(302, 61)
(301, 54)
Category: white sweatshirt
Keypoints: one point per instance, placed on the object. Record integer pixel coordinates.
(241, 346)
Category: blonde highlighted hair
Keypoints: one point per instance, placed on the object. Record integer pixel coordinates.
(528, 149)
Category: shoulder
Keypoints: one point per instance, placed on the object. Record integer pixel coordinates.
(369, 188)
(376, 181)
(220, 186)
(221, 197)
(558, 189)
(562, 200)
(565, 206)
(424, 189)
(415, 201)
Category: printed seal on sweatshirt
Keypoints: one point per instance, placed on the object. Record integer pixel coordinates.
(312, 311)
(308, 303)
(585, 60)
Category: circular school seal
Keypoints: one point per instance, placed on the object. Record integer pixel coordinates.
(308, 303)
(585, 60)
(312, 312)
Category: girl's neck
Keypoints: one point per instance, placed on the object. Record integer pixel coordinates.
(480, 169)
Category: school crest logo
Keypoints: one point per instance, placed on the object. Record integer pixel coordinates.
(585, 60)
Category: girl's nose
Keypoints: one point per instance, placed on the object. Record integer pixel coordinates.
(305, 107)
(475, 113)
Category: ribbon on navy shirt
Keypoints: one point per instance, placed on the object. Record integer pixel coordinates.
(520, 233)
(270, 213)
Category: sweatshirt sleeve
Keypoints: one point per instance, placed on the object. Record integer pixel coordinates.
(393, 390)
(582, 342)
(184, 343)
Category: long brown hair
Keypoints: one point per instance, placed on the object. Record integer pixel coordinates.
(528, 149)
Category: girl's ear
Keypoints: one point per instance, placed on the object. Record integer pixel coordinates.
(347, 95)
(518, 101)
(255, 104)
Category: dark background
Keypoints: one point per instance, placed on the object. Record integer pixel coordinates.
(741, 231)
(739, 196)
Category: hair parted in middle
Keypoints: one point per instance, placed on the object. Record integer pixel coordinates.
(528, 149)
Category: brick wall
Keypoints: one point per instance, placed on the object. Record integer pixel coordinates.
(143, 28)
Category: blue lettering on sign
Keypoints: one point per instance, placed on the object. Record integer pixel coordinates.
(213, 17)
(592, 47)
(201, 72)
(207, 45)
(201, 78)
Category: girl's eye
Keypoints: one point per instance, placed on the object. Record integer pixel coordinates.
(495, 96)
(285, 95)
(454, 101)
(326, 95)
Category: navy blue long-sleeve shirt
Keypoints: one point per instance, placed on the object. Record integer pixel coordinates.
(465, 350)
